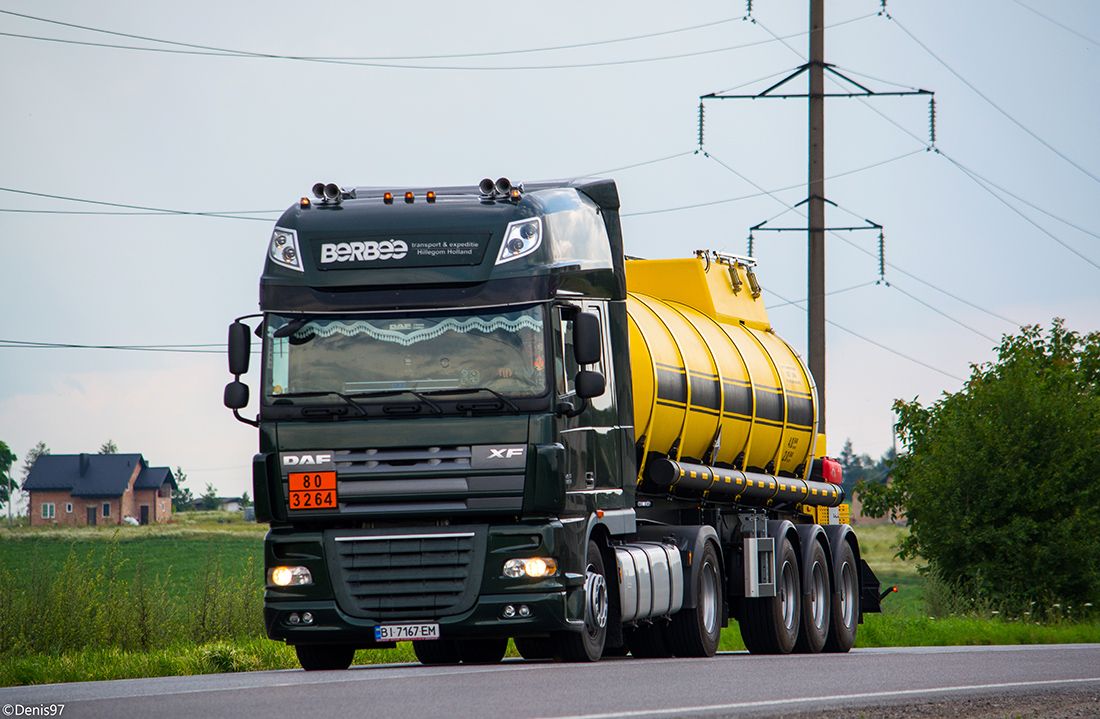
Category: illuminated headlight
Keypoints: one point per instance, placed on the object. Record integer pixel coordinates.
(284, 249)
(535, 568)
(521, 238)
(289, 576)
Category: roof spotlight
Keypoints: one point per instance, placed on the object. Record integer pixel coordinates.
(319, 190)
(486, 186)
(503, 185)
(332, 192)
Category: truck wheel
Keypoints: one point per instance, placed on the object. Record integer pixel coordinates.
(648, 641)
(321, 657)
(769, 625)
(845, 604)
(587, 645)
(535, 648)
(436, 651)
(815, 604)
(482, 651)
(695, 632)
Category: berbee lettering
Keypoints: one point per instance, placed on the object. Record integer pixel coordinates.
(368, 251)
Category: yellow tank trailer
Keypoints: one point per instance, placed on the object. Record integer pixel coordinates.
(722, 404)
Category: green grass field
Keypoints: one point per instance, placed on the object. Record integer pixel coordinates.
(205, 570)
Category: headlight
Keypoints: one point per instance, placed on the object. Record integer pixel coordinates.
(535, 567)
(289, 576)
(520, 238)
(284, 249)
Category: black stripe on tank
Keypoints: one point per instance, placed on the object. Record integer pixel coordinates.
(738, 399)
(800, 412)
(769, 404)
(671, 384)
(705, 391)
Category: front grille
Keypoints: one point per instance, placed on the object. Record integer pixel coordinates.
(423, 575)
(422, 481)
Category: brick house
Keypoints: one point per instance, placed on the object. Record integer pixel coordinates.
(91, 489)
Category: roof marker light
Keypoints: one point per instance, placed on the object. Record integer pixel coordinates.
(387, 198)
(305, 202)
(431, 195)
(409, 198)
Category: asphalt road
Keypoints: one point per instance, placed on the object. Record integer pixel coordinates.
(728, 685)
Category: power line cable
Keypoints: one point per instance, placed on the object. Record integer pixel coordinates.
(1049, 19)
(153, 210)
(458, 56)
(226, 52)
(827, 294)
(182, 348)
(871, 341)
(994, 105)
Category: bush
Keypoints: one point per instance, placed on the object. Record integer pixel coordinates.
(1001, 482)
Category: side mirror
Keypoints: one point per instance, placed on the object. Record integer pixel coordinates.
(587, 343)
(240, 347)
(589, 384)
(236, 395)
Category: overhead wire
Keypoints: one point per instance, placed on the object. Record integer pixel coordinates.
(994, 105)
(179, 348)
(1051, 20)
(236, 215)
(205, 50)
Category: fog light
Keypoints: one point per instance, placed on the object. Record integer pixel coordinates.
(307, 617)
(289, 576)
(295, 619)
(524, 610)
(509, 612)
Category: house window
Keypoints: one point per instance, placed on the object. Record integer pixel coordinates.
(48, 509)
(106, 509)
(69, 508)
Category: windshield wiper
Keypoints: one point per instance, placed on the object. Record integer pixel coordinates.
(324, 393)
(390, 392)
(471, 390)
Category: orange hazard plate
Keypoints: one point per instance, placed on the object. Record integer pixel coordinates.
(313, 490)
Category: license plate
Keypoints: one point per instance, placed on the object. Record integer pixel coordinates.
(405, 632)
(312, 490)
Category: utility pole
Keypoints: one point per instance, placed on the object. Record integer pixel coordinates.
(815, 201)
(816, 207)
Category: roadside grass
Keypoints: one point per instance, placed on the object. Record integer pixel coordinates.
(88, 604)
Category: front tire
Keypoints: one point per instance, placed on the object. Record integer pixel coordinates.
(482, 651)
(587, 645)
(324, 657)
(432, 652)
(695, 632)
(769, 625)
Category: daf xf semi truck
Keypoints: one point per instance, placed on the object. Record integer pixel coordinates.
(479, 420)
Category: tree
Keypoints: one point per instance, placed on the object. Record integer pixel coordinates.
(246, 501)
(210, 498)
(109, 447)
(1001, 482)
(8, 487)
(32, 456)
(181, 496)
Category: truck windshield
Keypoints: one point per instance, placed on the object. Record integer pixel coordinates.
(363, 354)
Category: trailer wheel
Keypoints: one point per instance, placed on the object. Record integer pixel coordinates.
(481, 651)
(816, 604)
(534, 648)
(769, 625)
(322, 657)
(695, 632)
(436, 651)
(587, 645)
(845, 605)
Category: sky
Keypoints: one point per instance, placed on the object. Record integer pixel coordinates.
(126, 124)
